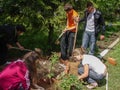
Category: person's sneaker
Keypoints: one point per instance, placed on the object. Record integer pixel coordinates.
(92, 86)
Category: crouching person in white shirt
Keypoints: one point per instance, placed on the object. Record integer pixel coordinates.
(92, 69)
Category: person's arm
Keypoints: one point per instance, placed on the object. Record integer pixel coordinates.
(8, 36)
(84, 17)
(9, 46)
(85, 74)
(102, 22)
(19, 45)
(9, 43)
(68, 29)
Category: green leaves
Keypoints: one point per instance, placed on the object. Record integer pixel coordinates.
(54, 59)
(39, 15)
(70, 81)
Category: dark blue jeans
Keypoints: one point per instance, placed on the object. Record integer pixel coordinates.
(89, 39)
(92, 76)
(66, 44)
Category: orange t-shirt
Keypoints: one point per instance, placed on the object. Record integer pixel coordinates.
(70, 19)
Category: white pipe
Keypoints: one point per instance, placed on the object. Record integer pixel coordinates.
(107, 81)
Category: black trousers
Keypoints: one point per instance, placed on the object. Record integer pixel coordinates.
(3, 52)
(66, 44)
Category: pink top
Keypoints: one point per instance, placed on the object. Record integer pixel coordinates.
(15, 75)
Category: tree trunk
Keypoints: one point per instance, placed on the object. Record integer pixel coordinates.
(50, 37)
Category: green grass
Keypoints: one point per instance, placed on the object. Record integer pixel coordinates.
(113, 71)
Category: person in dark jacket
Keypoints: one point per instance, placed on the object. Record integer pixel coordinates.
(93, 21)
(8, 36)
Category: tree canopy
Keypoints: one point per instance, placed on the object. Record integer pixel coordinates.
(45, 19)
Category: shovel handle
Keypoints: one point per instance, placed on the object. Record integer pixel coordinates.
(57, 40)
(60, 36)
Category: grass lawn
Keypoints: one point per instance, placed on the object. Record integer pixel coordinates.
(113, 71)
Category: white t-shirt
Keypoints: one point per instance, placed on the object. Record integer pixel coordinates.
(90, 25)
(94, 63)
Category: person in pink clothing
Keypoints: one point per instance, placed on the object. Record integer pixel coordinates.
(19, 74)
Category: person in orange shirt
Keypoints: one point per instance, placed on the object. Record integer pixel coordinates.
(67, 40)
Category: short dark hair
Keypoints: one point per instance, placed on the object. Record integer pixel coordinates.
(67, 7)
(89, 4)
(20, 28)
